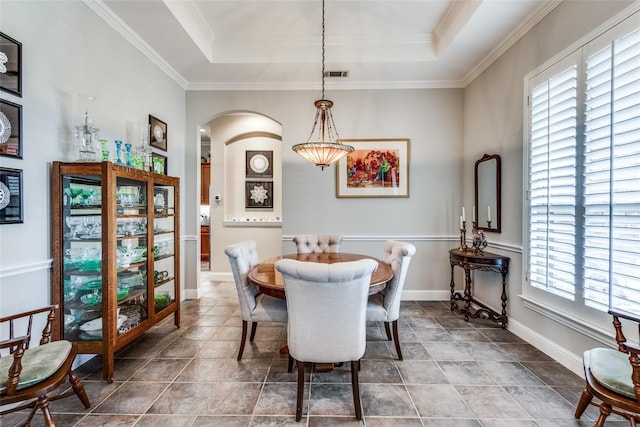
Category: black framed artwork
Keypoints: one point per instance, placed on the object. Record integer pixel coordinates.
(259, 194)
(159, 163)
(10, 65)
(259, 164)
(10, 129)
(157, 133)
(11, 210)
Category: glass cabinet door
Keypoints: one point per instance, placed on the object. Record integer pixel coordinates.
(132, 251)
(164, 257)
(82, 251)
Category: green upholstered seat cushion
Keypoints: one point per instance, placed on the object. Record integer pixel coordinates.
(612, 369)
(38, 364)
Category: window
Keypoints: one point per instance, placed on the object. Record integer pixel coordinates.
(582, 249)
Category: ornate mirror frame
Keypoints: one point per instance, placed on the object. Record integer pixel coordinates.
(487, 193)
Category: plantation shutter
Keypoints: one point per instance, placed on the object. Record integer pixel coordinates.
(552, 182)
(611, 176)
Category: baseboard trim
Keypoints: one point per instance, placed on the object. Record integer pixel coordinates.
(560, 354)
(437, 295)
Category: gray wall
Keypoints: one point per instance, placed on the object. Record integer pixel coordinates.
(67, 51)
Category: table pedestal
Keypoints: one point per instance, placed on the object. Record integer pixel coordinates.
(484, 262)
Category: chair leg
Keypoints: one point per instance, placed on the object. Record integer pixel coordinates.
(78, 388)
(300, 366)
(386, 328)
(43, 403)
(396, 339)
(243, 339)
(254, 325)
(605, 411)
(585, 399)
(290, 364)
(355, 367)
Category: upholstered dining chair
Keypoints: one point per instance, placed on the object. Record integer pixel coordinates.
(327, 316)
(29, 375)
(385, 306)
(613, 376)
(317, 243)
(254, 306)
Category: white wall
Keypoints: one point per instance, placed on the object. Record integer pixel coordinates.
(68, 50)
(493, 123)
(428, 218)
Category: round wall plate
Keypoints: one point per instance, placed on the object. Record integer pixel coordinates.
(259, 163)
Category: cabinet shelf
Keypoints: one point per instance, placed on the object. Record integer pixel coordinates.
(119, 223)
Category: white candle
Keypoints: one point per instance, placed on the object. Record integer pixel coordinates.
(460, 222)
(463, 218)
(473, 218)
(488, 213)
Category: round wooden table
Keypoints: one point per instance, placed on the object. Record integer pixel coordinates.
(270, 282)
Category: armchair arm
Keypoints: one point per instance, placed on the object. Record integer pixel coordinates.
(17, 347)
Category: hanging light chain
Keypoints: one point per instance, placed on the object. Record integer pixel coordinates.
(322, 49)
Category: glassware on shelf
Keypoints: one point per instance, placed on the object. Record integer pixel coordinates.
(103, 147)
(85, 194)
(118, 153)
(86, 135)
(127, 148)
(75, 224)
(73, 193)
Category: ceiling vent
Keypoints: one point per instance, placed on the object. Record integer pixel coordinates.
(336, 74)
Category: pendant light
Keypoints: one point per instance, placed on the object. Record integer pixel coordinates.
(323, 146)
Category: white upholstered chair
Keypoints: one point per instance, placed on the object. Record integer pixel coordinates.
(327, 316)
(254, 306)
(317, 243)
(385, 306)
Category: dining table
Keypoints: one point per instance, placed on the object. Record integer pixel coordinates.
(270, 282)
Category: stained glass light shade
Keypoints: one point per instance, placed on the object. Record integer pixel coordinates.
(323, 147)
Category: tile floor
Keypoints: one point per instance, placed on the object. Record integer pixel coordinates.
(454, 374)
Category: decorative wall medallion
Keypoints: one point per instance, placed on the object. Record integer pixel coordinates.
(5, 195)
(157, 133)
(259, 194)
(259, 164)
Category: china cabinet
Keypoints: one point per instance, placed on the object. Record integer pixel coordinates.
(116, 254)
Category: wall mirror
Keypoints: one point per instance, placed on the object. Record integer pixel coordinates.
(487, 192)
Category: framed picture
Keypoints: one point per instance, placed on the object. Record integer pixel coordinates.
(259, 194)
(375, 168)
(10, 65)
(259, 164)
(10, 129)
(11, 211)
(159, 163)
(157, 133)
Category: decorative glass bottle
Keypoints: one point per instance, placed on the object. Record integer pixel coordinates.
(118, 153)
(127, 148)
(86, 135)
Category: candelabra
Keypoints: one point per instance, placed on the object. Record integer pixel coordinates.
(463, 237)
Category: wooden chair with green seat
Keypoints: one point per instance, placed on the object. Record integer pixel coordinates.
(613, 376)
(29, 375)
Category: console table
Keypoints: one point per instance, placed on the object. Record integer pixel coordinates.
(483, 262)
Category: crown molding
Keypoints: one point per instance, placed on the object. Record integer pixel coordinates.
(351, 85)
(532, 20)
(101, 9)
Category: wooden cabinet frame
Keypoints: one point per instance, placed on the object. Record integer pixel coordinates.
(157, 207)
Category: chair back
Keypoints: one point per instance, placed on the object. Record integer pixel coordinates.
(397, 255)
(243, 256)
(317, 243)
(326, 304)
